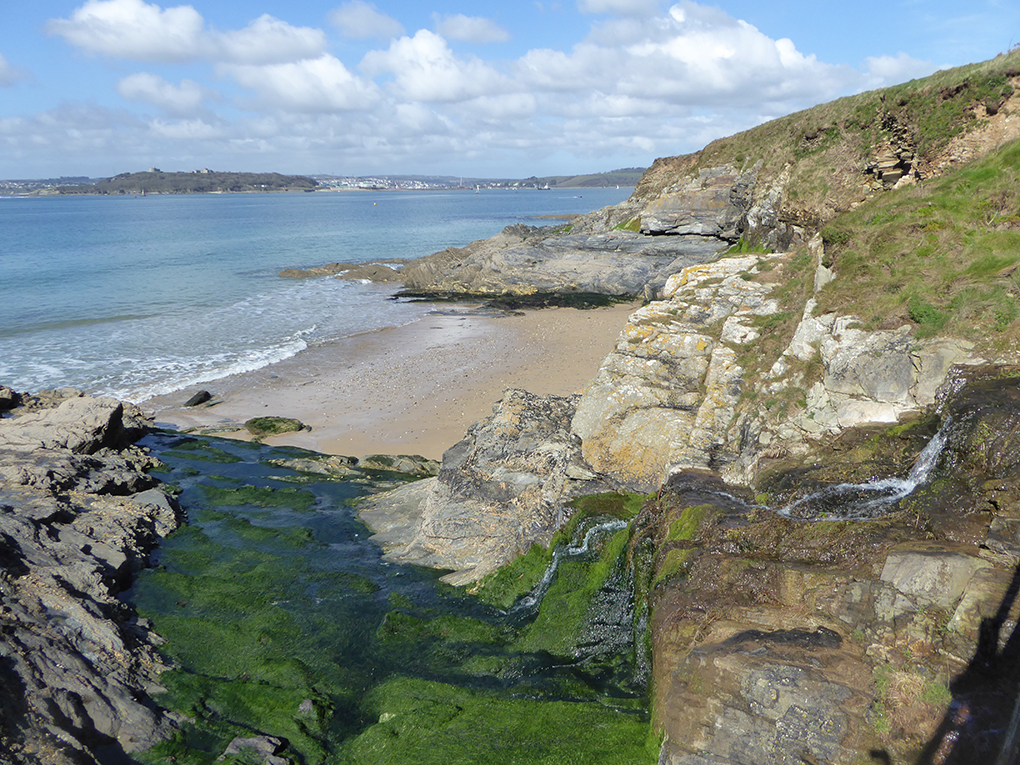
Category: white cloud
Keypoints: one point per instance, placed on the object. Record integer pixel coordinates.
(693, 56)
(135, 30)
(425, 69)
(472, 29)
(360, 20)
(185, 98)
(619, 7)
(268, 40)
(187, 130)
(322, 84)
(10, 74)
(890, 70)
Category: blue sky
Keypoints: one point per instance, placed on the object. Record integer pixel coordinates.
(480, 88)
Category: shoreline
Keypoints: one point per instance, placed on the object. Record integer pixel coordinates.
(412, 389)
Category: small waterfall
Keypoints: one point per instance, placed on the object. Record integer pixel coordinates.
(855, 501)
(532, 600)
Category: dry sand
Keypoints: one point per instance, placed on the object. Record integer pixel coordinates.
(414, 389)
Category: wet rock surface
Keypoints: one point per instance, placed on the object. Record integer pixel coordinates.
(777, 640)
(78, 517)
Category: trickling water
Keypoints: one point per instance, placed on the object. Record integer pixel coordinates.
(534, 598)
(854, 501)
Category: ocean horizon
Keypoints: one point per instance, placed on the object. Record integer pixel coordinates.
(139, 297)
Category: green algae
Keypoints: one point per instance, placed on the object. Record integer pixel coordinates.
(427, 723)
(278, 621)
(565, 608)
(264, 496)
(271, 426)
(686, 526)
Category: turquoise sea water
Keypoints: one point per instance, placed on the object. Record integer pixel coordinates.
(136, 297)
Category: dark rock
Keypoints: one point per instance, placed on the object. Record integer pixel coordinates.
(8, 398)
(78, 518)
(199, 398)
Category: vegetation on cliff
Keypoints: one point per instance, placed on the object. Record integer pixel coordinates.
(829, 151)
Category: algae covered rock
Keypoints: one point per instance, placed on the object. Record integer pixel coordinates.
(272, 426)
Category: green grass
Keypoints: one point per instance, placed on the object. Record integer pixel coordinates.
(940, 256)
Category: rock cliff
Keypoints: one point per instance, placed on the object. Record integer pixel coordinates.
(808, 597)
(78, 517)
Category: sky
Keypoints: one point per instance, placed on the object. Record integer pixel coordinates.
(448, 87)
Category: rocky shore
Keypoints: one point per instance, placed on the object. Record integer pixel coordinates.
(79, 516)
(824, 567)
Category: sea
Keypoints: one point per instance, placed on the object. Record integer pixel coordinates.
(135, 297)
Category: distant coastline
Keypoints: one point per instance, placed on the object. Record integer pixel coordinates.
(205, 181)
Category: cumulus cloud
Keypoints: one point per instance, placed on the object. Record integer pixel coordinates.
(185, 98)
(694, 56)
(136, 30)
(425, 69)
(187, 130)
(322, 84)
(268, 40)
(472, 29)
(360, 21)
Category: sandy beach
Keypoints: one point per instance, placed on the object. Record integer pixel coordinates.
(413, 389)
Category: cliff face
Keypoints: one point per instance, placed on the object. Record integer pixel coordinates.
(810, 594)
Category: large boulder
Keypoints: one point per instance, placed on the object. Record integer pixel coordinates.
(500, 490)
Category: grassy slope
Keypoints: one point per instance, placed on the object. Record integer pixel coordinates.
(942, 255)
(828, 147)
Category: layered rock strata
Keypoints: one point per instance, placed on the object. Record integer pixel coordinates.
(778, 640)
(78, 517)
(523, 260)
(669, 395)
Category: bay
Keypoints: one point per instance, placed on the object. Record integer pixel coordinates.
(137, 297)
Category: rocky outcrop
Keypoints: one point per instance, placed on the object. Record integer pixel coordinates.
(500, 490)
(383, 271)
(78, 517)
(778, 641)
(712, 203)
(667, 392)
(673, 394)
(525, 260)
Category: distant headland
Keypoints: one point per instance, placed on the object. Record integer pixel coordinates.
(206, 181)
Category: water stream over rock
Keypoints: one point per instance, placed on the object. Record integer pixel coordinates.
(856, 501)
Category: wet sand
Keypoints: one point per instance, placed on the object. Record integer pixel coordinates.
(413, 389)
